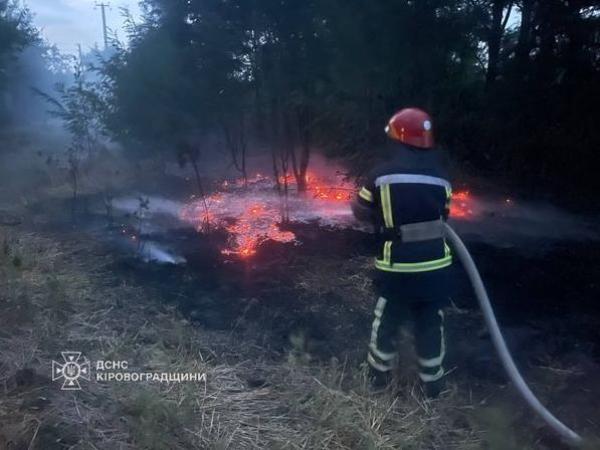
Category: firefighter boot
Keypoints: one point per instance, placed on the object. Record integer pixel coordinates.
(379, 381)
(433, 389)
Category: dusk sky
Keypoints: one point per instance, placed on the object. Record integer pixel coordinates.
(69, 22)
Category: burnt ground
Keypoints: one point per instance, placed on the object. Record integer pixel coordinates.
(305, 295)
(546, 304)
(280, 336)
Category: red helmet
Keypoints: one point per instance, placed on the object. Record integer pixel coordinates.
(411, 126)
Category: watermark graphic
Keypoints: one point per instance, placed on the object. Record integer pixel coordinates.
(73, 368)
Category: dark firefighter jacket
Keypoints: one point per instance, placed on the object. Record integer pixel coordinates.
(410, 188)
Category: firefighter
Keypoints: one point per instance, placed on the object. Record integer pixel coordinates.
(407, 199)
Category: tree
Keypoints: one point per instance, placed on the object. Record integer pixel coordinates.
(190, 154)
(16, 32)
(81, 109)
(326, 74)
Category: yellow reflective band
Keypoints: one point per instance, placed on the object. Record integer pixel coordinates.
(378, 366)
(448, 196)
(387, 252)
(425, 377)
(433, 362)
(365, 194)
(380, 306)
(424, 266)
(437, 361)
(381, 355)
(377, 321)
(386, 206)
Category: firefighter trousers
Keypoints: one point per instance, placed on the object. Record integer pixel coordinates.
(395, 307)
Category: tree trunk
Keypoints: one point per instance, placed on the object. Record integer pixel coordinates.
(545, 66)
(300, 166)
(74, 172)
(236, 143)
(243, 149)
(74, 199)
(495, 41)
(193, 160)
(524, 40)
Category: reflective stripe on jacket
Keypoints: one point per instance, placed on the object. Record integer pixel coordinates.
(398, 196)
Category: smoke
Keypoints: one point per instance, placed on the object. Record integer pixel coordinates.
(155, 205)
(153, 252)
(38, 67)
(148, 211)
(508, 222)
(251, 214)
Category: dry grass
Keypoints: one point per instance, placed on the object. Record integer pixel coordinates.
(351, 280)
(62, 296)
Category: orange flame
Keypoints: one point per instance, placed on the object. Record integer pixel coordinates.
(461, 205)
(251, 224)
(251, 220)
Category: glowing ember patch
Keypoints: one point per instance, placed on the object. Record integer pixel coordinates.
(333, 193)
(251, 211)
(461, 205)
(255, 225)
(461, 195)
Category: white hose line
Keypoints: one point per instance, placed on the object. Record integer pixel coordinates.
(513, 373)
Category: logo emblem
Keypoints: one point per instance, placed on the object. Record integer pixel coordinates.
(71, 370)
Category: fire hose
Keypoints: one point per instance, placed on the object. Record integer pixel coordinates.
(513, 373)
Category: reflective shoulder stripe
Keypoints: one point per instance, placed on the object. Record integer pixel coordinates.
(365, 194)
(412, 178)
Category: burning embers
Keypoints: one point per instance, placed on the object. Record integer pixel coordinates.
(257, 223)
(461, 206)
(251, 212)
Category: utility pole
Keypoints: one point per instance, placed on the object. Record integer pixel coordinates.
(80, 55)
(103, 7)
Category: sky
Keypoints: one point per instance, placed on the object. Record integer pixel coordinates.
(67, 23)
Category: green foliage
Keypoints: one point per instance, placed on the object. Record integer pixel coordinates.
(83, 112)
(16, 32)
(150, 98)
(510, 83)
(81, 109)
(298, 74)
